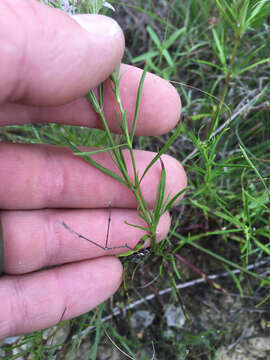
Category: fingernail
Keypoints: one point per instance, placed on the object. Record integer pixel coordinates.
(98, 24)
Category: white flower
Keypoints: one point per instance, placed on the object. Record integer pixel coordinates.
(109, 6)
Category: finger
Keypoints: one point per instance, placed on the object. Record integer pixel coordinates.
(39, 300)
(159, 112)
(52, 59)
(37, 239)
(42, 176)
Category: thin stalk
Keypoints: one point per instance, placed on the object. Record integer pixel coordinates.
(228, 78)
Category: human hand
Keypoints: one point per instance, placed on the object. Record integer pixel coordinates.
(48, 64)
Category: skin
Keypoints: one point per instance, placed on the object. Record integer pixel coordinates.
(47, 66)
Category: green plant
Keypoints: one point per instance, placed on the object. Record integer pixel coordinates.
(223, 221)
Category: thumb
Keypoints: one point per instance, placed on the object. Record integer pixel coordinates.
(50, 58)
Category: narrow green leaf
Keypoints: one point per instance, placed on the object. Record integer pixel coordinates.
(97, 165)
(137, 226)
(243, 16)
(145, 57)
(173, 199)
(226, 16)
(123, 160)
(256, 171)
(178, 275)
(99, 150)
(154, 37)
(164, 148)
(263, 247)
(267, 297)
(101, 94)
(209, 63)
(168, 58)
(236, 280)
(201, 116)
(263, 61)
(232, 10)
(170, 41)
(160, 192)
(257, 9)
(260, 201)
(138, 101)
(220, 48)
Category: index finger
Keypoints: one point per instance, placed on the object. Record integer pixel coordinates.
(47, 58)
(159, 108)
(53, 62)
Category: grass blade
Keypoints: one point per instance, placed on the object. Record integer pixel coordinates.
(163, 149)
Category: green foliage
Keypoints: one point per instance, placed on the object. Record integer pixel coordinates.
(217, 53)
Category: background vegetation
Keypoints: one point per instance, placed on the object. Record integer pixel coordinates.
(216, 53)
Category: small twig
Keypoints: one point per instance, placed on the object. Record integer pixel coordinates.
(198, 271)
(105, 248)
